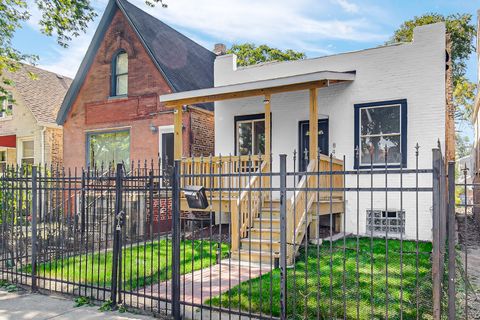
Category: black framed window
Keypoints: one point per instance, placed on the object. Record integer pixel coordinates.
(381, 132)
(120, 74)
(250, 134)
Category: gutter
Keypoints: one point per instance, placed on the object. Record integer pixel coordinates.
(42, 142)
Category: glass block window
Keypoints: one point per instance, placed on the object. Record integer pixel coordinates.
(382, 220)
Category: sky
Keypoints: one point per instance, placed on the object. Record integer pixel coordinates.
(315, 27)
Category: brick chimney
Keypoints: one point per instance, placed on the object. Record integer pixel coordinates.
(220, 49)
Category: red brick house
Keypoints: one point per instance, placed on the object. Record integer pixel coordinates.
(112, 111)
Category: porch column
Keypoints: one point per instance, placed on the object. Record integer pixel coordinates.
(268, 131)
(313, 125)
(313, 144)
(178, 136)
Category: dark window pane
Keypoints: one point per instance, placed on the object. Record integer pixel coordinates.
(244, 138)
(259, 136)
(380, 120)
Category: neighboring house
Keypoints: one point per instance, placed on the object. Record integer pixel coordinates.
(394, 96)
(112, 111)
(28, 130)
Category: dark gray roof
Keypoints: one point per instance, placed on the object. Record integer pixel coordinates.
(185, 64)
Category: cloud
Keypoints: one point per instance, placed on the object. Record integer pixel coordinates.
(349, 7)
(303, 25)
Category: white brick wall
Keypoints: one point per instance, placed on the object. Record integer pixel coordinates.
(413, 71)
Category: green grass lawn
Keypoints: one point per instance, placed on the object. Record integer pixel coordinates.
(311, 298)
(141, 265)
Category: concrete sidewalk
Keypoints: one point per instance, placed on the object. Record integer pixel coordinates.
(26, 306)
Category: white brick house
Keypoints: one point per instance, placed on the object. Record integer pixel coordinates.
(400, 89)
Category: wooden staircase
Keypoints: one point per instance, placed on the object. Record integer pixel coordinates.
(259, 236)
(262, 242)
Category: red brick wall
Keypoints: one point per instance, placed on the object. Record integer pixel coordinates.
(93, 110)
(202, 132)
(54, 146)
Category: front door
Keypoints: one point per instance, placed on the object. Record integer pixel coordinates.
(166, 152)
(304, 141)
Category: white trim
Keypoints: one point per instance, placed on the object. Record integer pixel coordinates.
(20, 148)
(162, 130)
(262, 84)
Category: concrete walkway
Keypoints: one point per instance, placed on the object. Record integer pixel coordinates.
(201, 285)
(26, 306)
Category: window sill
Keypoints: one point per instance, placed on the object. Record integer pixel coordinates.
(121, 97)
(379, 167)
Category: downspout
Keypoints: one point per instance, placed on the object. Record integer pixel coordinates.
(42, 142)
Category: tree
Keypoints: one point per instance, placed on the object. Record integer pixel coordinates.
(463, 147)
(462, 35)
(64, 19)
(250, 54)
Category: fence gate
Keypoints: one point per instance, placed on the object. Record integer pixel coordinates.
(250, 237)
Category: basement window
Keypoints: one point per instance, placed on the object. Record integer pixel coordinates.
(381, 221)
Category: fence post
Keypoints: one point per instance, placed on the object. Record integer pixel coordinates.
(283, 237)
(436, 259)
(451, 240)
(34, 228)
(82, 205)
(176, 241)
(117, 235)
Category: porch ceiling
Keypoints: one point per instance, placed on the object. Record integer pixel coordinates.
(257, 88)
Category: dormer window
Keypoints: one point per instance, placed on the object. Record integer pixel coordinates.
(120, 74)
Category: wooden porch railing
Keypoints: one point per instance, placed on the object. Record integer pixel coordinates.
(249, 205)
(298, 218)
(207, 171)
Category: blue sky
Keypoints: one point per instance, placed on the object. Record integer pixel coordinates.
(316, 27)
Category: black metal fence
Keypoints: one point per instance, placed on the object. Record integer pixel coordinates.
(272, 241)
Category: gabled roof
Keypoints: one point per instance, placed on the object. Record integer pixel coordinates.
(184, 64)
(43, 94)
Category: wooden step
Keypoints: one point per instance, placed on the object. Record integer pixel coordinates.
(265, 214)
(265, 233)
(266, 223)
(254, 256)
(260, 245)
(274, 204)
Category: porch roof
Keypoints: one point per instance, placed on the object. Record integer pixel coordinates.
(257, 88)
